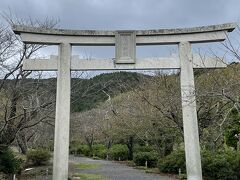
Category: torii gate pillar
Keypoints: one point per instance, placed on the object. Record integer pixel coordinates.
(62, 121)
(190, 124)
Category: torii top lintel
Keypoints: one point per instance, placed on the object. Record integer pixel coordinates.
(211, 33)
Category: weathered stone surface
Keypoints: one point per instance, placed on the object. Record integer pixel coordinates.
(189, 111)
(221, 27)
(107, 38)
(78, 64)
(125, 47)
(62, 121)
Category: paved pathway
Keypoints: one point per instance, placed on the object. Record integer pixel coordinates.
(116, 171)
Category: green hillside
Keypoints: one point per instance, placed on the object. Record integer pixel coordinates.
(85, 93)
(89, 93)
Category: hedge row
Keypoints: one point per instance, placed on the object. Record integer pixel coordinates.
(223, 164)
(116, 152)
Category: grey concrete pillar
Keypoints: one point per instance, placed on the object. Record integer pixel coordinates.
(62, 121)
(190, 123)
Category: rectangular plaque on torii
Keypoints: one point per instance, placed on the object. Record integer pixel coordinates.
(125, 47)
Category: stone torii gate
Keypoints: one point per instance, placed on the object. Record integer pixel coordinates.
(125, 43)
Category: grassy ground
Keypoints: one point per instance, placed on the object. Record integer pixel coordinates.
(44, 172)
(36, 173)
(84, 176)
(87, 166)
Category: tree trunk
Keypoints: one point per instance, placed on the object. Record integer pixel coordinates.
(90, 144)
(130, 147)
(22, 142)
(8, 134)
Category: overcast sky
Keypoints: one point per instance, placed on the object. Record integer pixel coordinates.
(126, 14)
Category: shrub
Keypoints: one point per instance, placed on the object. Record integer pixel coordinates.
(38, 156)
(233, 129)
(233, 157)
(230, 137)
(118, 152)
(73, 150)
(173, 162)
(80, 149)
(84, 150)
(100, 151)
(74, 145)
(222, 164)
(140, 159)
(9, 163)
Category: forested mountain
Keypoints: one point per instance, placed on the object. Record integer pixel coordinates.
(89, 93)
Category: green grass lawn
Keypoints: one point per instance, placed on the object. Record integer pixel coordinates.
(90, 176)
(87, 166)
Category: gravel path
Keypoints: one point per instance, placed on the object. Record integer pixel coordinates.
(116, 171)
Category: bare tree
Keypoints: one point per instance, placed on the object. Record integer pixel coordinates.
(25, 103)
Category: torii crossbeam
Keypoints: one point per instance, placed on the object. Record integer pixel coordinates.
(125, 42)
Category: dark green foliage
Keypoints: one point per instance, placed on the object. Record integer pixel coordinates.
(38, 156)
(81, 149)
(118, 152)
(78, 148)
(100, 151)
(173, 162)
(143, 149)
(143, 154)
(233, 129)
(230, 136)
(140, 158)
(223, 164)
(89, 93)
(73, 148)
(9, 164)
(217, 167)
(84, 150)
